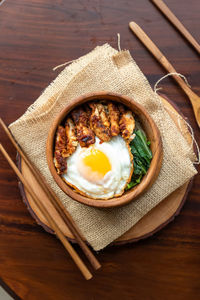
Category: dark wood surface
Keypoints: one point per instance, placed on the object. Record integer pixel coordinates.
(35, 36)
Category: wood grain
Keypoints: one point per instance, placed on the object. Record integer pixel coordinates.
(35, 36)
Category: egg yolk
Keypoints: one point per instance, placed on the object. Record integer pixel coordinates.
(93, 165)
(97, 161)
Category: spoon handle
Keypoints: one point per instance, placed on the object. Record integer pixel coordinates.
(194, 99)
(175, 21)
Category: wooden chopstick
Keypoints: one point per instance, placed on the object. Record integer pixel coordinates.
(55, 202)
(175, 21)
(86, 273)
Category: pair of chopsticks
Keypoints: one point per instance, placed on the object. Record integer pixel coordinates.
(148, 43)
(58, 206)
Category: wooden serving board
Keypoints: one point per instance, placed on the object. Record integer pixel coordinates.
(156, 219)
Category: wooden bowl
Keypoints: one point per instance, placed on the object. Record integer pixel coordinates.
(150, 129)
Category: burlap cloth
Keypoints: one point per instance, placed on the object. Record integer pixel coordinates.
(105, 69)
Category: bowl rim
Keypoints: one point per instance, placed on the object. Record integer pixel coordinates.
(148, 179)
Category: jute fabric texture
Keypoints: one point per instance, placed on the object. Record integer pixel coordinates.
(105, 69)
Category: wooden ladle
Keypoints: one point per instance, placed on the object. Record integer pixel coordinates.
(194, 99)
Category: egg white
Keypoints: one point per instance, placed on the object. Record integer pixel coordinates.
(114, 182)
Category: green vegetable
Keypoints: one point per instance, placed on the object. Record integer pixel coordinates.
(142, 157)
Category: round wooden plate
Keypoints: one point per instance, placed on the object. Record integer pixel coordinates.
(156, 219)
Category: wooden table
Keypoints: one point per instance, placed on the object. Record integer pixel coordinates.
(35, 36)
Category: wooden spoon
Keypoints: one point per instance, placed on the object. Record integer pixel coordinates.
(194, 99)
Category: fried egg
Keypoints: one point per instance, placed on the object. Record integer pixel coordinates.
(102, 170)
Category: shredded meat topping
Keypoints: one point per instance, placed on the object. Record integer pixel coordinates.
(114, 118)
(85, 135)
(99, 122)
(61, 141)
(71, 136)
(126, 123)
(60, 162)
(60, 150)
